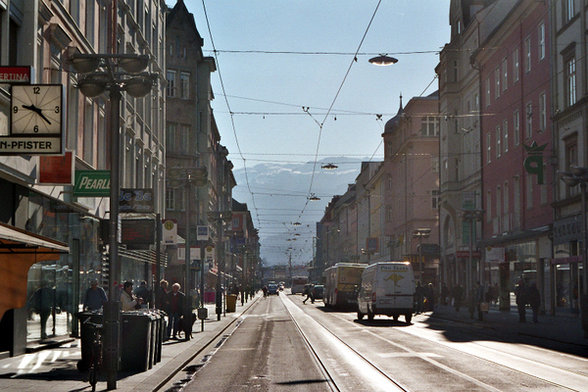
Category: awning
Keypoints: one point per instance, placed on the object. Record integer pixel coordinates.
(14, 240)
(19, 250)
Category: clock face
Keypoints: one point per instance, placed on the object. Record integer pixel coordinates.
(36, 109)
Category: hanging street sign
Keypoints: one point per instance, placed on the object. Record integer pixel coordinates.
(92, 183)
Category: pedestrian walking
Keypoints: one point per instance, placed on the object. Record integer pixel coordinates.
(161, 295)
(534, 299)
(419, 297)
(176, 308)
(95, 297)
(520, 292)
(308, 292)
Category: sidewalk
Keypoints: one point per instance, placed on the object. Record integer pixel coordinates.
(563, 328)
(55, 369)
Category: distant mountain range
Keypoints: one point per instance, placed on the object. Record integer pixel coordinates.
(277, 193)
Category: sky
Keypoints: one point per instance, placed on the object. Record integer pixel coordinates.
(287, 88)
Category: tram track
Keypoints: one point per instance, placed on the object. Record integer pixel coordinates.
(378, 378)
(509, 360)
(175, 381)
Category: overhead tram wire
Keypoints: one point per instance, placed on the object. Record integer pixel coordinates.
(354, 60)
(229, 107)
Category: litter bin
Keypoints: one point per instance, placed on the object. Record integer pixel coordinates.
(231, 300)
(135, 343)
(86, 336)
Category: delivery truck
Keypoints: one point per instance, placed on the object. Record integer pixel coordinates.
(387, 288)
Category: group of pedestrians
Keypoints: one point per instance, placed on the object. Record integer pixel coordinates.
(527, 294)
(170, 301)
(424, 297)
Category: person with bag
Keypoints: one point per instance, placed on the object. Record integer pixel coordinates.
(128, 300)
(175, 301)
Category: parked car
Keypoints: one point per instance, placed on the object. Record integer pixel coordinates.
(317, 291)
(272, 288)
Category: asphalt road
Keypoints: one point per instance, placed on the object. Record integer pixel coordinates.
(264, 353)
(284, 345)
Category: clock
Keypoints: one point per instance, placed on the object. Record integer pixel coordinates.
(36, 109)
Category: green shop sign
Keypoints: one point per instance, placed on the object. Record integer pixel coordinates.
(92, 183)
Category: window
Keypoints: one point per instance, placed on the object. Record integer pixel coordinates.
(72, 117)
(528, 54)
(542, 112)
(180, 203)
(89, 141)
(489, 206)
(516, 127)
(170, 137)
(488, 147)
(389, 213)
(568, 10)
(435, 198)
(170, 199)
(430, 126)
(497, 83)
(541, 39)
(515, 65)
(504, 74)
(499, 208)
(505, 194)
(529, 123)
(505, 135)
(171, 50)
(185, 85)
(184, 139)
(571, 159)
(171, 83)
(488, 92)
(570, 81)
(498, 141)
(476, 102)
(90, 6)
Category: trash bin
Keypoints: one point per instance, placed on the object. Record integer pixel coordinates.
(86, 336)
(231, 300)
(135, 342)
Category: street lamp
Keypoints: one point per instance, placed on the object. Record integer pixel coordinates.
(383, 60)
(420, 233)
(114, 73)
(579, 176)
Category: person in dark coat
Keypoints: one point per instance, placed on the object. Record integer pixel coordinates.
(176, 309)
(161, 299)
(534, 299)
(419, 297)
(143, 292)
(95, 297)
(520, 292)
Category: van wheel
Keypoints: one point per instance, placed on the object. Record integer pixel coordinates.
(370, 315)
(360, 315)
(408, 317)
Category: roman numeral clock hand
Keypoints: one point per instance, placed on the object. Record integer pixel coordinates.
(38, 111)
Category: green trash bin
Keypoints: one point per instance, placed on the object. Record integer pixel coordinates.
(231, 300)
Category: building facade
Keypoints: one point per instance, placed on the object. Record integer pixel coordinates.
(44, 35)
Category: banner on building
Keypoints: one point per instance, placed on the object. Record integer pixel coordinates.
(139, 200)
(56, 170)
(494, 255)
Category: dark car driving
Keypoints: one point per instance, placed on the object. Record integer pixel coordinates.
(272, 288)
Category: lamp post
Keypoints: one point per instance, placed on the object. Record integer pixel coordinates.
(579, 176)
(420, 233)
(114, 73)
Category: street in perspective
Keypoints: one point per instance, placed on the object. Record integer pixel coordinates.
(297, 196)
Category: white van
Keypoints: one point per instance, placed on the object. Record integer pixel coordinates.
(387, 288)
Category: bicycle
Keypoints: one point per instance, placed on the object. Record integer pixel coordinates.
(95, 362)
